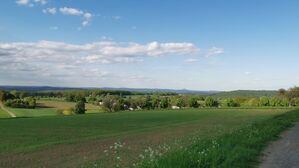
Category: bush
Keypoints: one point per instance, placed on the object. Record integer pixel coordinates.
(210, 102)
(68, 112)
(254, 102)
(193, 102)
(111, 104)
(264, 101)
(164, 103)
(275, 101)
(230, 103)
(80, 107)
(295, 101)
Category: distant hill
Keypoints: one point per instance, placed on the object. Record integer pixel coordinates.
(144, 90)
(218, 94)
(245, 93)
(150, 90)
(36, 88)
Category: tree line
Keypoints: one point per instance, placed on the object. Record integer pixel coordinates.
(112, 103)
(114, 100)
(17, 99)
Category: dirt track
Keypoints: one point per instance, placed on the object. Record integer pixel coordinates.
(11, 114)
(283, 153)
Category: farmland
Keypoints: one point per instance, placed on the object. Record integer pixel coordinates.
(149, 84)
(50, 108)
(82, 140)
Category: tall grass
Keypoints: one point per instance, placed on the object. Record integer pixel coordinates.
(240, 148)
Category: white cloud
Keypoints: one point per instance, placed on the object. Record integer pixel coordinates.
(86, 16)
(25, 3)
(97, 52)
(22, 2)
(50, 10)
(43, 2)
(71, 11)
(30, 3)
(54, 62)
(85, 23)
(214, 51)
(191, 60)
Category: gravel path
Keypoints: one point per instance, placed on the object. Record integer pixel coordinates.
(283, 153)
(11, 114)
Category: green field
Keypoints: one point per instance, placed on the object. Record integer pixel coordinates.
(240, 148)
(26, 139)
(49, 108)
(3, 114)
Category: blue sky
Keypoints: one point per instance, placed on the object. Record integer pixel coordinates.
(192, 44)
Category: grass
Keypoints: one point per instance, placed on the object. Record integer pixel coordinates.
(54, 136)
(3, 114)
(28, 133)
(240, 148)
(49, 108)
(37, 112)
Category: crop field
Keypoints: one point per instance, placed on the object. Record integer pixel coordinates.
(49, 108)
(89, 140)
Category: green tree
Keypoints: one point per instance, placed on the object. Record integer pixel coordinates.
(264, 101)
(230, 103)
(285, 102)
(180, 102)
(14, 93)
(210, 102)
(156, 102)
(113, 103)
(23, 94)
(164, 103)
(295, 101)
(30, 102)
(80, 107)
(193, 102)
(6, 96)
(275, 101)
(282, 92)
(253, 102)
(293, 92)
(2, 95)
(148, 104)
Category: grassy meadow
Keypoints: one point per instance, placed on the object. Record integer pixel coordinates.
(239, 148)
(3, 114)
(50, 107)
(83, 139)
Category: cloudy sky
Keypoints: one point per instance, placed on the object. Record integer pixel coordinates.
(192, 44)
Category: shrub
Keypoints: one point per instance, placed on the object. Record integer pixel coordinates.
(80, 107)
(68, 112)
(254, 102)
(230, 103)
(164, 103)
(210, 102)
(193, 102)
(275, 101)
(111, 104)
(264, 101)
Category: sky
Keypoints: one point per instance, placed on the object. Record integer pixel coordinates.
(175, 44)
